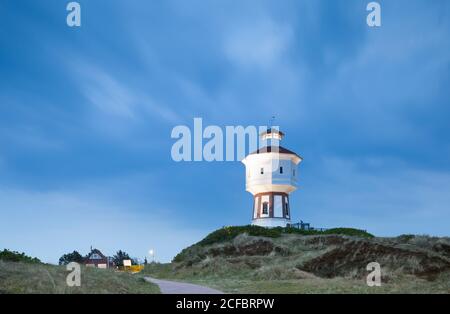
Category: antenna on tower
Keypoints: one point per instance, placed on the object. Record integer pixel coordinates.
(271, 122)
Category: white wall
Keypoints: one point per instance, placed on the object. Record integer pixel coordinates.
(270, 180)
(255, 208)
(271, 222)
(277, 206)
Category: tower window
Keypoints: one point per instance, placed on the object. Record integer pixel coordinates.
(262, 170)
(265, 208)
(281, 170)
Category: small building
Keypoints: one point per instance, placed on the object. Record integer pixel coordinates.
(97, 259)
(271, 174)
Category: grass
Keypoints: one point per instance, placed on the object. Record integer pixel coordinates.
(19, 277)
(236, 262)
(244, 283)
(227, 234)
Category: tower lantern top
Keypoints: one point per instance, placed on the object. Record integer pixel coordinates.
(272, 134)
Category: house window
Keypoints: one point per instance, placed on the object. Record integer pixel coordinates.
(281, 170)
(262, 170)
(265, 208)
(286, 209)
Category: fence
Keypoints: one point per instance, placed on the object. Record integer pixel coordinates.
(305, 226)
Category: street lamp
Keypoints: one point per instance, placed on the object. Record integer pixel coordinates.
(151, 252)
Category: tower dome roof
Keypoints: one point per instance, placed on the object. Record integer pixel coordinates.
(274, 149)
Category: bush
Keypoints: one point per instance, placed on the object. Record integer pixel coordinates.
(13, 256)
(349, 232)
(229, 233)
(404, 238)
(225, 234)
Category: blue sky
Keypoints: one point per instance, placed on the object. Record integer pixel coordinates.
(86, 116)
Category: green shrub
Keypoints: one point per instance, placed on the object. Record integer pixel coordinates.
(229, 233)
(349, 232)
(12, 256)
(225, 234)
(405, 237)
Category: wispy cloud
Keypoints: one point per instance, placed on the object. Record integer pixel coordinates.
(119, 106)
(259, 44)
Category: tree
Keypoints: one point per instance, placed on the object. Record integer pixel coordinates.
(71, 257)
(119, 257)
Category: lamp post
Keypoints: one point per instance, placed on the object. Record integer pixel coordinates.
(151, 252)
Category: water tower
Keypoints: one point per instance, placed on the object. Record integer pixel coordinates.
(271, 174)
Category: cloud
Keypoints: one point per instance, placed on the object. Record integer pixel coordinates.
(260, 44)
(108, 95)
(119, 108)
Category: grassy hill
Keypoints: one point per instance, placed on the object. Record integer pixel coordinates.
(257, 260)
(22, 274)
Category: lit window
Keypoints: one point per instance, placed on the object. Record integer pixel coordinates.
(281, 170)
(265, 208)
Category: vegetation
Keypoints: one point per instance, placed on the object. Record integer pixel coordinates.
(19, 277)
(254, 260)
(13, 256)
(229, 233)
(71, 257)
(243, 282)
(120, 256)
(349, 232)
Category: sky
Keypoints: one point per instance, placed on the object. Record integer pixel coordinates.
(86, 115)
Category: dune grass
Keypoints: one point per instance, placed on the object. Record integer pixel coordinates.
(295, 263)
(19, 277)
(242, 283)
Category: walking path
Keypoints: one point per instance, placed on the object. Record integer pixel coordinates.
(174, 287)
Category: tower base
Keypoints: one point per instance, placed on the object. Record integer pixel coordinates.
(271, 222)
(271, 209)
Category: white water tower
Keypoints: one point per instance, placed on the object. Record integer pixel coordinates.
(271, 174)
